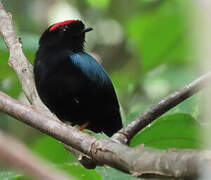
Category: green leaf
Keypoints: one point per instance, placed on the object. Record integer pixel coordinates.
(158, 84)
(52, 150)
(91, 133)
(170, 131)
(113, 174)
(9, 175)
(102, 4)
(160, 36)
(23, 178)
(191, 105)
(29, 41)
(81, 173)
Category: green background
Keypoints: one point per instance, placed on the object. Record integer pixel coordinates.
(145, 46)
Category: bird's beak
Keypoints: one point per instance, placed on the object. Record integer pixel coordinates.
(87, 29)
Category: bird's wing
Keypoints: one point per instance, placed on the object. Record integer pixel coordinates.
(101, 94)
(90, 68)
(78, 88)
(97, 82)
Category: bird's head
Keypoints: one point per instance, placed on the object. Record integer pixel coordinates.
(69, 34)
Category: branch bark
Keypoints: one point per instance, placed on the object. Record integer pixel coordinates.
(18, 61)
(24, 69)
(127, 133)
(139, 161)
(15, 154)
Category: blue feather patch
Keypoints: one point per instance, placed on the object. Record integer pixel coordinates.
(90, 67)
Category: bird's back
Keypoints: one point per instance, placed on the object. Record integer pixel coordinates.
(77, 89)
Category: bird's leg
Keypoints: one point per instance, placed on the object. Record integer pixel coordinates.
(83, 126)
(140, 146)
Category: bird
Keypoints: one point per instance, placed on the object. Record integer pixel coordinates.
(71, 83)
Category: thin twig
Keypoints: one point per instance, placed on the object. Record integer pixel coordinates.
(127, 132)
(15, 154)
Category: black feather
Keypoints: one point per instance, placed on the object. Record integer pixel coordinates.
(72, 84)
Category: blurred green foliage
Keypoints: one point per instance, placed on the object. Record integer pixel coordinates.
(51, 150)
(113, 174)
(176, 130)
(145, 45)
(9, 175)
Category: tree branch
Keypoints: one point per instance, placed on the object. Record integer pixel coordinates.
(139, 161)
(23, 68)
(126, 133)
(18, 61)
(15, 154)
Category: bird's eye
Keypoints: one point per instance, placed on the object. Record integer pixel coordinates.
(64, 28)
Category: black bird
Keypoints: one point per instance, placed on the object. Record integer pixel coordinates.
(71, 83)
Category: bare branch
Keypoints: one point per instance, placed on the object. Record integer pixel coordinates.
(18, 61)
(127, 133)
(15, 154)
(139, 161)
(23, 68)
(84, 159)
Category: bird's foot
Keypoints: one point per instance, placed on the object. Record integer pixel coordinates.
(83, 126)
(140, 146)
